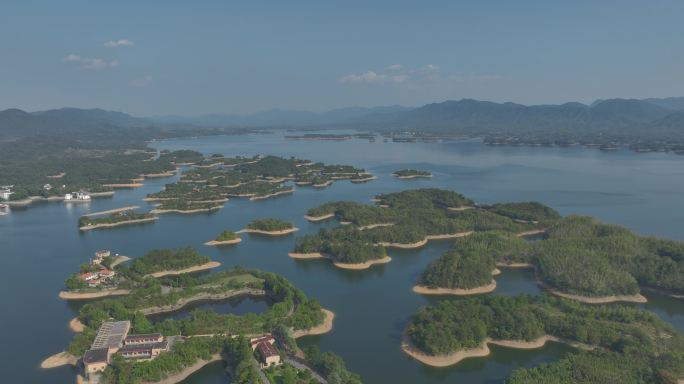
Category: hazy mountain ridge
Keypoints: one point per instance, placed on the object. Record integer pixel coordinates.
(619, 118)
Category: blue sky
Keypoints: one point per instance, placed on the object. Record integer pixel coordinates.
(187, 58)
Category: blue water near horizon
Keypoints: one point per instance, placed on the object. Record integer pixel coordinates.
(41, 245)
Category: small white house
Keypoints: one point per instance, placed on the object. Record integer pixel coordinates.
(5, 193)
(47, 187)
(68, 196)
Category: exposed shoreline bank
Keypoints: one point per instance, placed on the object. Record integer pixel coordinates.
(325, 327)
(224, 242)
(427, 238)
(122, 209)
(117, 224)
(350, 266)
(76, 326)
(58, 360)
(480, 351)
(281, 232)
(186, 211)
(424, 290)
(272, 195)
(187, 371)
(319, 218)
(196, 268)
(637, 298)
(66, 295)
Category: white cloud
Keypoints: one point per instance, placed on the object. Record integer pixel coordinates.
(118, 43)
(91, 63)
(429, 75)
(144, 81)
(372, 77)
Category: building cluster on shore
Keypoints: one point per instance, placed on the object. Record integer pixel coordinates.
(113, 338)
(98, 277)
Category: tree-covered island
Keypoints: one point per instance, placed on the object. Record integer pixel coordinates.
(87, 223)
(225, 238)
(616, 343)
(215, 179)
(578, 258)
(407, 219)
(107, 276)
(273, 227)
(207, 336)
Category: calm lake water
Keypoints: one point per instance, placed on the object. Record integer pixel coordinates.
(41, 246)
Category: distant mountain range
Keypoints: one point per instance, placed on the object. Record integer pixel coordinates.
(620, 118)
(280, 117)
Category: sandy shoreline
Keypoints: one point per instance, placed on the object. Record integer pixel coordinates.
(319, 218)
(156, 175)
(480, 351)
(272, 195)
(187, 211)
(424, 290)
(76, 326)
(196, 268)
(111, 225)
(370, 178)
(58, 360)
(364, 265)
(225, 242)
(128, 185)
(515, 265)
(122, 209)
(459, 209)
(326, 184)
(638, 298)
(118, 260)
(421, 243)
(187, 371)
(201, 297)
(371, 226)
(325, 327)
(412, 176)
(269, 233)
(351, 266)
(66, 295)
(531, 232)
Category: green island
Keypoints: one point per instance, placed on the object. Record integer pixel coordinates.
(48, 168)
(225, 238)
(105, 275)
(411, 174)
(179, 347)
(578, 258)
(273, 227)
(87, 223)
(216, 178)
(616, 343)
(407, 219)
(183, 206)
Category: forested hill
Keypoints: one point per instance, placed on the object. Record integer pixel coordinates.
(649, 123)
(618, 117)
(15, 123)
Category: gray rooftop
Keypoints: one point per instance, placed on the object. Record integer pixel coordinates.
(111, 334)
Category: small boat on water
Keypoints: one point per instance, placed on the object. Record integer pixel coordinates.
(4, 206)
